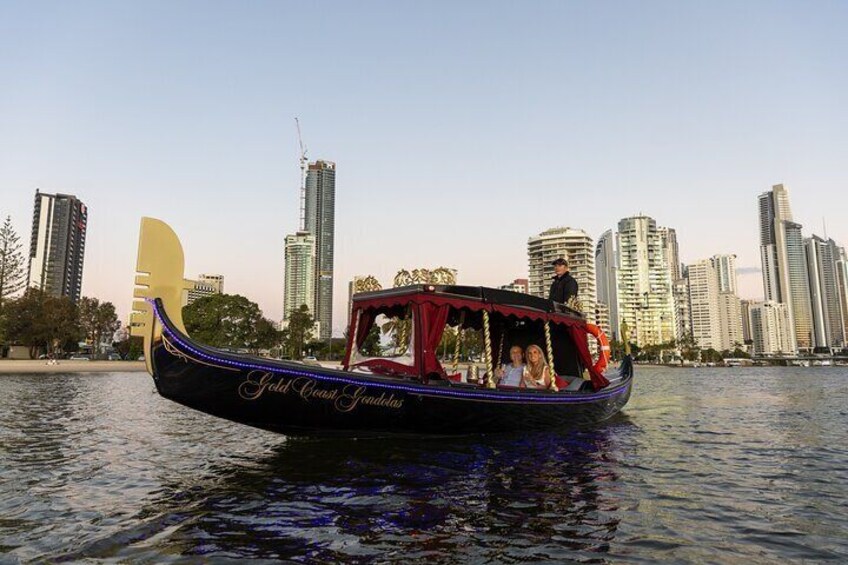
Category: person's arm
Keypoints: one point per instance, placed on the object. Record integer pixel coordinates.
(546, 377)
(572, 288)
(526, 379)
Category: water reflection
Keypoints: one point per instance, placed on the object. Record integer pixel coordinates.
(503, 498)
(703, 467)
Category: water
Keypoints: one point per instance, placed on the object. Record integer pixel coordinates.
(712, 466)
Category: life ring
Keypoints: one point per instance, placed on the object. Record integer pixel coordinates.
(603, 347)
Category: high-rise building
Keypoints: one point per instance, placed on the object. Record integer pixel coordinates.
(518, 285)
(680, 292)
(828, 324)
(730, 321)
(300, 273)
(602, 318)
(645, 299)
(782, 254)
(716, 313)
(671, 250)
(606, 278)
(725, 266)
(704, 304)
(745, 309)
(320, 210)
(800, 309)
(57, 245)
(205, 285)
(771, 331)
(842, 287)
(578, 249)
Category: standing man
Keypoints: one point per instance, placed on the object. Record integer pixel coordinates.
(564, 286)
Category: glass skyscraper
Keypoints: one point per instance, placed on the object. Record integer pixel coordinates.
(321, 223)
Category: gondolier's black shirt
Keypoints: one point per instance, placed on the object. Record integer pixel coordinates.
(563, 288)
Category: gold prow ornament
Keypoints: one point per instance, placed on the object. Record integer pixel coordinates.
(159, 274)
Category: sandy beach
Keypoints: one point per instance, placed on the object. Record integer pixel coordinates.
(8, 366)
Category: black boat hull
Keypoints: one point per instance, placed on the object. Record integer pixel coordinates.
(298, 399)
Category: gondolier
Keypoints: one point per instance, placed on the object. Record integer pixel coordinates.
(564, 286)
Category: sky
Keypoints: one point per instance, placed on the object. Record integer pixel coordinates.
(459, 129)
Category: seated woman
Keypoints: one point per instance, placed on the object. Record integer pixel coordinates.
(511, 374)
(536, 374)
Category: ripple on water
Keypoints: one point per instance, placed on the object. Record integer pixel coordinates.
(704, 466)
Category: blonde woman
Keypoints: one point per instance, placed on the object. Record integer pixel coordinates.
(536, 373)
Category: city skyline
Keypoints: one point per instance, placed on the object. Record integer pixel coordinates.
(163, 119)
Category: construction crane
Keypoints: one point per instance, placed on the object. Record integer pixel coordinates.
(303, 162)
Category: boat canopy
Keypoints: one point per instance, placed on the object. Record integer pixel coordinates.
(509, 318)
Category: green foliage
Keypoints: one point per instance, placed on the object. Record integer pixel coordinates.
(331, 350)
(12, 271)
(710, 355)
(229, 320)
(739, 354)
(42, 321)
(371, 346)
(298, 332)
(97, 320)
(659, 353)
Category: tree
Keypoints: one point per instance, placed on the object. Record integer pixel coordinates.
(229, 320)
(300, 326)
(42, 321)
(265, 336)
(12, 273)
(97, 320)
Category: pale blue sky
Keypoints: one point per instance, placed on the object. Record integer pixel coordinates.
(459, 128)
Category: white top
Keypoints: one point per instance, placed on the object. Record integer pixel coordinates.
(512, 375)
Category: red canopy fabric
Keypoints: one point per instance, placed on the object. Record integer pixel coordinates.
(432, 318)
(433, 309)
(599, 381)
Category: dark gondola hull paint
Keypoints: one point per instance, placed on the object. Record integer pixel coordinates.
(298, 399)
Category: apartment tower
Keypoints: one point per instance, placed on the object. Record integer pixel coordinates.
(57, 245)
(578, 249)
(645, 299)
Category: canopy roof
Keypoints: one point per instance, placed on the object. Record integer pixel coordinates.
(474, 298)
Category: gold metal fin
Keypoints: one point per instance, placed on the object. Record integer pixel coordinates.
(160, 267)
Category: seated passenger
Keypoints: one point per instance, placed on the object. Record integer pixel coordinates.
(536, 374)
(510, 374)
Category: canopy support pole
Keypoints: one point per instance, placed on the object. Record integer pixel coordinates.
(458, 343)
(487, 351)
(550, 356)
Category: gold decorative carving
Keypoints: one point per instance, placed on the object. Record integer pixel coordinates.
(366, 284)
(439, 275)
(575, 304)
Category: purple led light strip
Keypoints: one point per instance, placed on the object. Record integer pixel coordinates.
(426, 391)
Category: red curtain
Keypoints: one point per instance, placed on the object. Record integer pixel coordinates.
(366, 319)
(433, 320)
(578, 334)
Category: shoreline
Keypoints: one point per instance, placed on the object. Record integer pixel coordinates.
(40, 366)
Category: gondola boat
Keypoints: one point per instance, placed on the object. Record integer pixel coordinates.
(410, 391)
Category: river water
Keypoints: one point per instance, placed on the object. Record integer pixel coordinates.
(704, 465)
